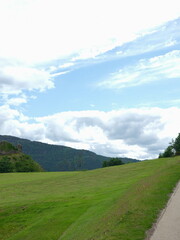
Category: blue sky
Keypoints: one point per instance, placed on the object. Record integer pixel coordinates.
(96, 75)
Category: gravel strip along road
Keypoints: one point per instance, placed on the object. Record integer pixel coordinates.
(168, 225)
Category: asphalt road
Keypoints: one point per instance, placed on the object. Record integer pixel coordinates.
(168, 225)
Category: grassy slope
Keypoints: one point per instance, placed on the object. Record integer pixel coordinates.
(115, 203)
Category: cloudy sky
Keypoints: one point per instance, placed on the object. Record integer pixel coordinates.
(102, 75)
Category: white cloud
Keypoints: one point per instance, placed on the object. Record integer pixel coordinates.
(13, 122)
(59, 73)
(161, 37)
(146, 70)
(138, 133)
(16, 101)
(66, 65)
(36, 31)
(15, 79)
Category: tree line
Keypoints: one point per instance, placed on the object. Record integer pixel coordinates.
(112, 162)
(173, 149)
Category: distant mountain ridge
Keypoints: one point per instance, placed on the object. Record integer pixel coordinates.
(60, 158)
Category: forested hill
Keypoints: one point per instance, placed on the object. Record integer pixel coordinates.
(60, 158)
(12, 159)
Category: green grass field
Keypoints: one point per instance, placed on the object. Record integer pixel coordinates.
(115, 203)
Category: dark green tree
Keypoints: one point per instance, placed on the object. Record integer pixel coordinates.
(173, 149)
(26, 164)
(112, 162)
(115, 161)
(104, 164)
(6, 165)
(160, 155)
(176, 145)
(169, 152)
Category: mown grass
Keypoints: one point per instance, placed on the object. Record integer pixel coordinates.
(115, 203)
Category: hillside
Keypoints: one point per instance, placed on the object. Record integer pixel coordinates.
(13, 160)
(6, 147)
(60, 158)
(111, 203)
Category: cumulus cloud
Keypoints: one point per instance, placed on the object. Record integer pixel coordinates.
(147, 70)
(13, 122)
(133, 127)
(140, 133)
(137, 133)
(15, 79)
(18, 78)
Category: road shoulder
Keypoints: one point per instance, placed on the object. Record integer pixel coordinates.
(167, 225)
